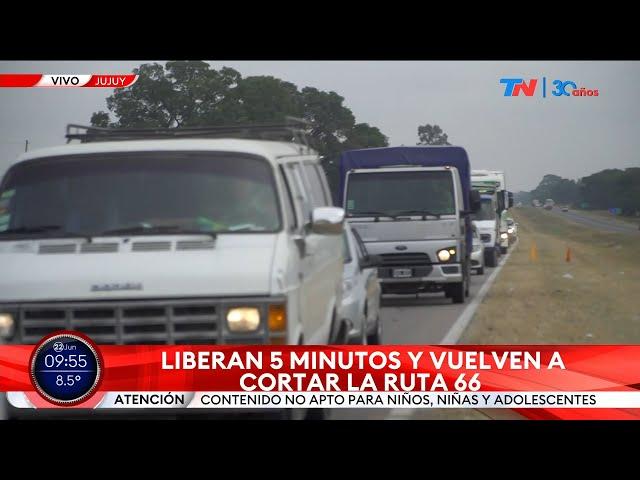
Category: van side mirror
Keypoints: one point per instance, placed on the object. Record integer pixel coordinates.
(475, 201)
(370, 261)
(327, 220)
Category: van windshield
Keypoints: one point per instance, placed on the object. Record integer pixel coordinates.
(398, 192)
(139, 194)
(486, 212)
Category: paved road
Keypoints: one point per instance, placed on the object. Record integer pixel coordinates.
(597, 223)
(408, 320)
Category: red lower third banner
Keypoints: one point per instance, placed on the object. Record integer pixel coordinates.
(542, 382)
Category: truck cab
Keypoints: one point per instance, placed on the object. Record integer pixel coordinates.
(415, 217)
(493, 181)
(487, 222)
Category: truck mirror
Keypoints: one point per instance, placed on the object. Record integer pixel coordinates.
(501, 202)
(475, 200)
(510, 199)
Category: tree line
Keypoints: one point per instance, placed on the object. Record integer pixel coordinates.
(192, 93)
(604, 190)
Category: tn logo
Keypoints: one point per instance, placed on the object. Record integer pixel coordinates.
(513, 86)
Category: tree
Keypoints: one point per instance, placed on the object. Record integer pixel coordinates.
(432, 135)
(612, 188)
(184, 93)
(191, 93)
(264, 99)
(559, 189)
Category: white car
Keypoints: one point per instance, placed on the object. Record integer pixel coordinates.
(477, 253)
(360, 291)
(152, 239)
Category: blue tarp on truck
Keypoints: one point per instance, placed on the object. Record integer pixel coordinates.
(424, 156)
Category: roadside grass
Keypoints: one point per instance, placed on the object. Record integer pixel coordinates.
(594, 298)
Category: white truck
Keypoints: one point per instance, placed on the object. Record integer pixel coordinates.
(139, 237)
(495, 180)
(412, 206)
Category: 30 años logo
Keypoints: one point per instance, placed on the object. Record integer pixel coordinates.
(513, 87)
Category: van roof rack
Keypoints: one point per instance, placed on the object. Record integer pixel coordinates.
(293, 129)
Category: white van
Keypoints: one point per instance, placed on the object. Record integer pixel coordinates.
(135, 238)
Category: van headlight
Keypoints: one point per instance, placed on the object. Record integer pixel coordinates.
(510, 230)
(7, 325)
(243, 319)
(446, 254)
(504, 235)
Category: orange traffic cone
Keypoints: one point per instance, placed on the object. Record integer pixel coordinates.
(533, 253)
(567, 256)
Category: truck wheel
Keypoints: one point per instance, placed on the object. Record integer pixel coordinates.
(492, 259)
(467, 277)
(376, 337)
(480, 271)
(503, 250)
(457, 292)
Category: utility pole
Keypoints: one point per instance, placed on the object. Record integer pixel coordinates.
(26, 145)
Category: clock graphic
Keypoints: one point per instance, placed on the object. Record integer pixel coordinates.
(66, 368)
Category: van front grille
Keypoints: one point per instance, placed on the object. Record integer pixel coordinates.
(138, 322)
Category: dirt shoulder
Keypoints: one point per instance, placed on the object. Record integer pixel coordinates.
(594, 298)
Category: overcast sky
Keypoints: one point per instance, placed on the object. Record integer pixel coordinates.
(525, 137)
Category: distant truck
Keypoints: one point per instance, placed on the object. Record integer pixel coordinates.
(412, 206)
(487, 218)
(549, 204)
(536, 203)
(495, 180)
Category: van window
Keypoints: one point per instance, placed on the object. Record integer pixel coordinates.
(289, 210)
(325, 184)
(317, 191)
(141, 193)
(299, 190)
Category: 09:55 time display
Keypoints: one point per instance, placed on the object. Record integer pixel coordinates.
(70, 361)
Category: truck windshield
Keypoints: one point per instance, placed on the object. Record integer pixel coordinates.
(486, 212)
(397, 192)
(138, 194)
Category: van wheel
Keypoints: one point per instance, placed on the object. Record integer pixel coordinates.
(480, 271)
(376, 337)
(457, 291)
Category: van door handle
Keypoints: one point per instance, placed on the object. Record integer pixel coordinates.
(301, 243)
